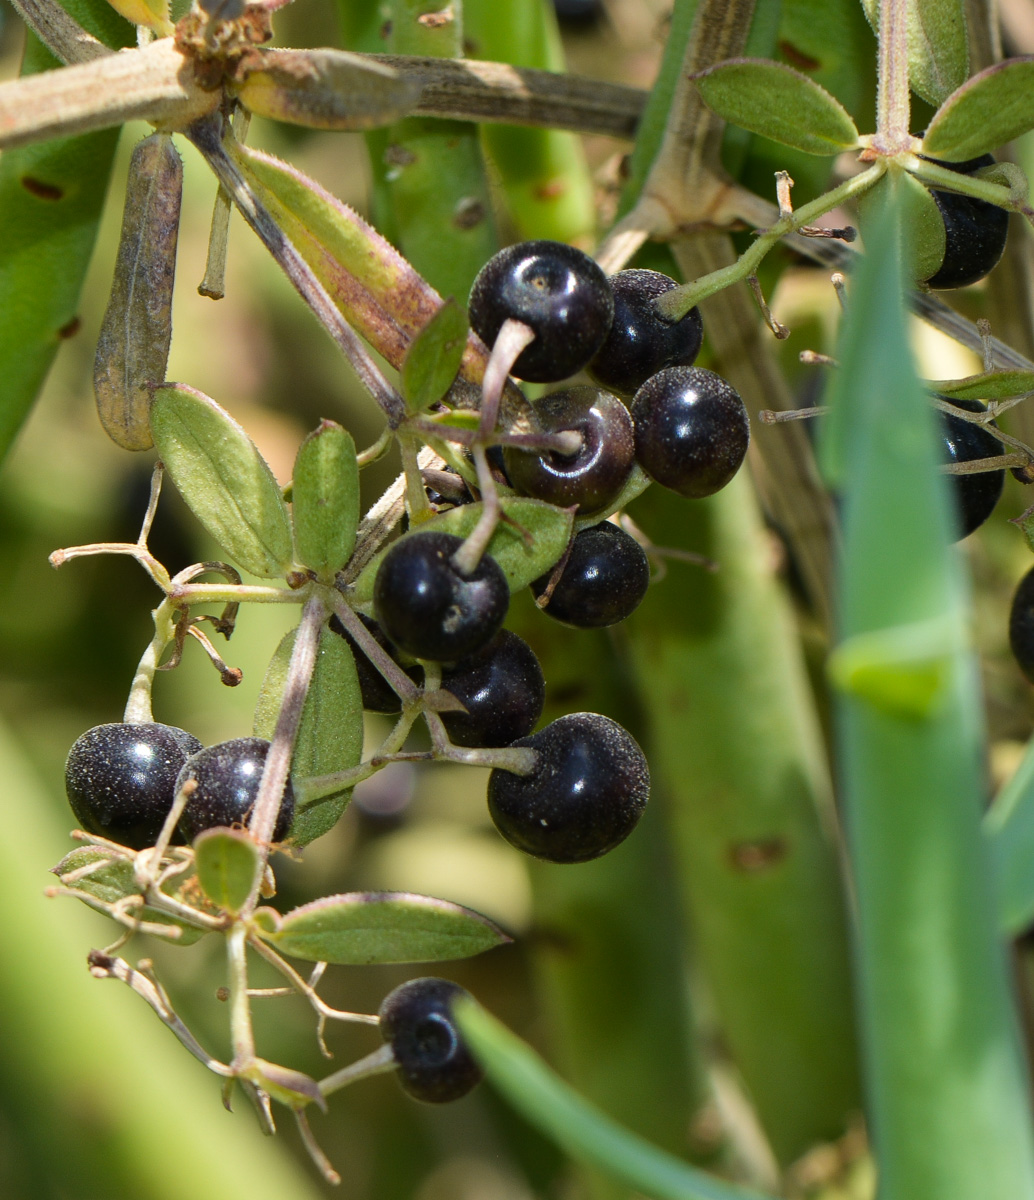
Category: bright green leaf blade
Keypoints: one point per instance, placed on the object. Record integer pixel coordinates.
(777, 102)
(223, 478)
(550, 530)
(577, 1126)
(325, 499)
(1009, 824)
(330, 737)
(927, 240)
(384, 927)
(987, 111)
(434, 357)
(998, 385)
(938, 45)
(226, 861)
(114, 881)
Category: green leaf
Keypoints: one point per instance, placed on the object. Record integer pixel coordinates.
(1026, 524)
(996, 385)
(924, 249)
(938, 45)
(112, 880)
(580, 1128)
(223, 478)
(992, 108)
(326, 89)
(1009, 826)
(777, 102)
(330, 737)
(434, 357)
(325, 499)
(383, 927)
(550, 530)
(226, 861)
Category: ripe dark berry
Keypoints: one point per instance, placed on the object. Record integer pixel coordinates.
(227, 777)
(121, 779)
(434, 1063)
(596, 473)
(976, 495)
(974, 230)
(378, 695)
(585, 796)
(502, 689)
(603, 581)
(641, 342)
(691, 430)
(428, 608)
(557, 291)
(1021, 625)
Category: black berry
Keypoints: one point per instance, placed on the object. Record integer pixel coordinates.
(594, 474)
(378, 695)
(691, 430)
(976, 495)
(227, 777)
(557, 291)
(974, 230)
(434, 1063)
(641, 342)
(428, 608)
(585, 796)
(603, 581)
(502, 689)
(1021, 625)
(121, 779)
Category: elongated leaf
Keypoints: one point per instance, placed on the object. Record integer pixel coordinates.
(549, 528)
(383, 927)
(998, 385)
(434, 357)
(777, 102)
(226, 861)
(325, 499)
(133, 347)
(581, 1129)
(988, 110)
(223, 478)
(1009, 826)
(330, 738)
(326, 89)
(938, 46)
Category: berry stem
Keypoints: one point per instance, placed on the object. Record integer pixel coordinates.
(512, 338)
(520, 760)
(382, 1059)
(305, 988)
(241, 1032)
(968, 185)
(892, 95)
(399, 681)
(467, 557)
(138, 706)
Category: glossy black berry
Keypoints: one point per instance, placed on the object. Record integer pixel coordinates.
(585, 796)
(378, 695)
(976, 495)
(974, 230)
(641, 342)
(603, 581)
(1021, 625)
(227, 777)
(502, 689)
(121, 779)
(557, 291)
(428, 608)
(691, 430)
(434, 1063)
(594, 474)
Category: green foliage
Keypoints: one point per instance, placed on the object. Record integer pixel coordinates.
(987, 111)
(938, 45)
(226, 861)
(434, 357)
(325, 499)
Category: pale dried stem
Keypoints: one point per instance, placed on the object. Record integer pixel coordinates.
(63, 37)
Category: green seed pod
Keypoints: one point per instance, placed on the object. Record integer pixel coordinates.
(133, 347)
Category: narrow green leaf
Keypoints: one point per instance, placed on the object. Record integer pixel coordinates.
(434, 357)
(938, 45)
(1026, 524)
(1009, 826)
(987, 111)
(326, 89)
(577, 1126)
(777, 102)
(223, 478)
(384, 927)
(325, 499)
(997, 385)
(549, 529)
(226, 861)
(330, 738)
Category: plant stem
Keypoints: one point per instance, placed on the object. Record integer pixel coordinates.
(892, 95)
(241, 1032)
(138, 705)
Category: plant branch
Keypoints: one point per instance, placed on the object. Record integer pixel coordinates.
(62, 36)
